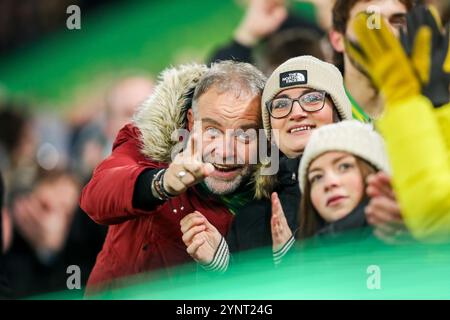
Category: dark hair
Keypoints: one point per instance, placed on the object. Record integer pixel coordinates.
(286, 44)
(51, 176)
(342, 8)
(308, 217)
(341, 15)
(12, 124)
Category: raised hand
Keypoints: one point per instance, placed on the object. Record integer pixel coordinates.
(383, 211)
(44, 217)
(187, 169)
(281, 232)
(428, 46)
(381, 56)
(262, 18)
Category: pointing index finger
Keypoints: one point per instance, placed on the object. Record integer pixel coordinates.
(193, 147)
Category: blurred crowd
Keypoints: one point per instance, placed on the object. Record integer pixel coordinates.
(46, 158)
(27, 21)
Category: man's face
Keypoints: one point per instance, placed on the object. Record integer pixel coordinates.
(393, 11)
(123, 102)
(229, 123)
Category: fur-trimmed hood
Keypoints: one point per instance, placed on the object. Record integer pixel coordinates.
(165, 112)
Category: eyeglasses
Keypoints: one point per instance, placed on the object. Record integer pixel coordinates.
(310, 102)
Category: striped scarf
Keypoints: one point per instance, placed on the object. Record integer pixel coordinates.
(357, 112)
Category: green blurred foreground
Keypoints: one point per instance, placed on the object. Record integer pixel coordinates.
(338, 268)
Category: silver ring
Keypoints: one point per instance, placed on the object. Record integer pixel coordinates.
(181, 174)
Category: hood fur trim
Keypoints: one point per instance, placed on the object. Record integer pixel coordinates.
(264, 184)
(165, 110)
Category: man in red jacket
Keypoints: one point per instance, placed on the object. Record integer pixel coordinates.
(145, 187)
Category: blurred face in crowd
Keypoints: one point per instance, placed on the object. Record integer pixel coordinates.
(393, 11)
(293, 131)
(229, 123)
(123, 100)
(25, 150)
(61, 194)
(43, 217)
(336, 185)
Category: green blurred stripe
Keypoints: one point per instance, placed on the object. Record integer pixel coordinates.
(336, 269)
(128, 35)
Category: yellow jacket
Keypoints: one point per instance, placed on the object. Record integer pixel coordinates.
(418, 143)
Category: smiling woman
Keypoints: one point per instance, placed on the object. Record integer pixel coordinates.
(297, 100)
(295, 113)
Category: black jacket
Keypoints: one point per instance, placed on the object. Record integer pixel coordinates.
(28, 275)
(251, 226)
(353, 229)
(356, 220)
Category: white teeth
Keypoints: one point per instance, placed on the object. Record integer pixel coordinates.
(225, 167)
(303, 128)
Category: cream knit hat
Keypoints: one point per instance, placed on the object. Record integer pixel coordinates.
(348, 136)
(309, 72)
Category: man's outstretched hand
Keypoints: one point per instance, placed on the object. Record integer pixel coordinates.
(187, 169)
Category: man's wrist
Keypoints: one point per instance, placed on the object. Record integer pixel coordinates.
(157, 186)
(220, 260)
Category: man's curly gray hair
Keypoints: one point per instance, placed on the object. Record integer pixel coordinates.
(230, 76)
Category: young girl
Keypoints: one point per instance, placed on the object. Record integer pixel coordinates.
(335, 164)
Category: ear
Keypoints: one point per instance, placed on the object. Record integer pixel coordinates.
(337, 40)
(190, 119)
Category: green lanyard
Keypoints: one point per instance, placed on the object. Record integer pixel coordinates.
(357, 112)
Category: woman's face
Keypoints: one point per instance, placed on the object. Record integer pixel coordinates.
(337, 185)
(292, 132)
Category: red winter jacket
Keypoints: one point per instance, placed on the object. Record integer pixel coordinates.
(137, 240)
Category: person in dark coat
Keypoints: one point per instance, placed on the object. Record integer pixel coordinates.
(38, 257)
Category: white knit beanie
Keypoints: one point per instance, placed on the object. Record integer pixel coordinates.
(308, 72)
(348, 136)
